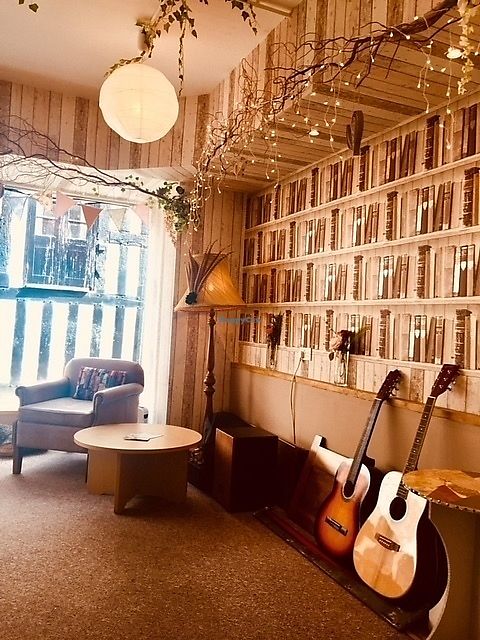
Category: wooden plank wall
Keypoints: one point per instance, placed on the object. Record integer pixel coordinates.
(222, 224)
(77, 126)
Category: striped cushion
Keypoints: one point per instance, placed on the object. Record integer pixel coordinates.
(91, 380)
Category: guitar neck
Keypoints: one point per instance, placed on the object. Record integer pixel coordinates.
(364, 441)
(417, 443)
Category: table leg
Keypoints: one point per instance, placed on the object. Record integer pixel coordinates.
(101, 472)
(162, 474)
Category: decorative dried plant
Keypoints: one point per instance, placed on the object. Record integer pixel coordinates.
(199, 271)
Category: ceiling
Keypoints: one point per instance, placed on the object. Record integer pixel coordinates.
(68, 45)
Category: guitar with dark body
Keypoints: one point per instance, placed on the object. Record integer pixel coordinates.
(338, 519)
(385, 553)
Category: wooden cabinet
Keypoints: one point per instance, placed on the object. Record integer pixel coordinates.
(245, 468)
(386, 245)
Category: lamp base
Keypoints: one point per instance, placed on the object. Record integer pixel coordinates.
(200, 475)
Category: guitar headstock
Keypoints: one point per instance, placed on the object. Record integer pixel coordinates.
(389, 384)
(445, 379)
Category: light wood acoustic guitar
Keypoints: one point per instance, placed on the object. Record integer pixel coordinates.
(385, 552)
(338, 519)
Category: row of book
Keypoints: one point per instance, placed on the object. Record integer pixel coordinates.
(318, 283)
(415, 212)
(444, 271)
(389, 335)
(443, 139)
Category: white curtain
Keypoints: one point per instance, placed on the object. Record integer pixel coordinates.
(157, 320)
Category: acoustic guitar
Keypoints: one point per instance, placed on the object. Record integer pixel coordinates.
(386, 548)
(338, 519)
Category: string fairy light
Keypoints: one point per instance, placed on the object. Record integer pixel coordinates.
(294, 80)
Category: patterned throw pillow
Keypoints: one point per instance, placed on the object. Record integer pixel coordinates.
(91, 380)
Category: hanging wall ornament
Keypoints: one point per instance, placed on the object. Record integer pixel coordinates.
(90, 214)
(355, 132)
(143, 212)
(62, 204)
(118, 217)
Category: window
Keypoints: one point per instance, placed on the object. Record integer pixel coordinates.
(59, 250)
(67, 290)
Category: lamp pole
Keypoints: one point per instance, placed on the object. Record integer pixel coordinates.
(209, 380)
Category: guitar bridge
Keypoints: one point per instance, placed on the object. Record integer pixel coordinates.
(391, 545)
(336, 525)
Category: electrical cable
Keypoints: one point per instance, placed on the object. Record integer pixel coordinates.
(292, 400)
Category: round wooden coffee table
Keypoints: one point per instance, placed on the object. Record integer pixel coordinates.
(126, 468)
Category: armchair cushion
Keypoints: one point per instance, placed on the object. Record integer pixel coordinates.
(60, 412)
(91, 380)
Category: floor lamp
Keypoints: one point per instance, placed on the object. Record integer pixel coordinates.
(210, 287)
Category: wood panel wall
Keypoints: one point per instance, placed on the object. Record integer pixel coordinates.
(76, 125)
(222, 224)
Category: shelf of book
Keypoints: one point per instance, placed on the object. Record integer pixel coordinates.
(468, 162)
(385, 245)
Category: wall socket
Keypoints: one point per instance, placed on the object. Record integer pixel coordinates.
(306, 354)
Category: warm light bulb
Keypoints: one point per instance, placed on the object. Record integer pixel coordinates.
(314, 132)
(453, 53)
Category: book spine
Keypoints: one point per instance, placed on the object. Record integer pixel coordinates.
(431, 142)
(328, 328)
(288, 327)
(422, 278)
(439, 339)
(468, 196)
(334, 229)
(260, 247)
(461, 316)
(363, 169)
(383, 333)
(292, 239)
(357, 274)
(390, 214)
(314, 187)
(472, 131)
(308, 283)
(273, 285)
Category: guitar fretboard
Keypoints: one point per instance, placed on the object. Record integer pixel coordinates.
(364, 442)
(417, 444)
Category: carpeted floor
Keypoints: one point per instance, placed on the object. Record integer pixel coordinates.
(71, 570)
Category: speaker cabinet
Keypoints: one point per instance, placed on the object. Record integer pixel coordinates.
(245, 468)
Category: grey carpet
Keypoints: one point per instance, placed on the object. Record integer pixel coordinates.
(71, 569)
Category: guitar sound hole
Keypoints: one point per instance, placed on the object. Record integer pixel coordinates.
(398, 508)
(348, 489)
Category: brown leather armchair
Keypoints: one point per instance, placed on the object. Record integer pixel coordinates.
(49, 415)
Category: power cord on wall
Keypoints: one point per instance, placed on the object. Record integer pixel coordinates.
(292, 400)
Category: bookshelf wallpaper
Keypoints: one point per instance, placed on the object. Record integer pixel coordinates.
(385, 244)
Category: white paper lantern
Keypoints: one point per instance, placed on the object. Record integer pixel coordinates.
(139, 103)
